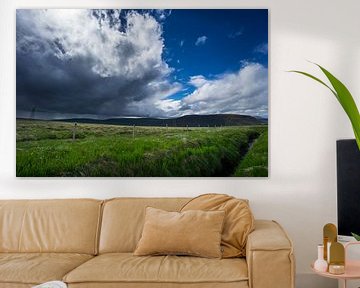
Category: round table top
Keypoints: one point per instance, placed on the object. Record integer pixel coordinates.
(352, 271)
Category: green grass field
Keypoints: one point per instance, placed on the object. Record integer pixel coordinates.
(255, 162)
(46, 148)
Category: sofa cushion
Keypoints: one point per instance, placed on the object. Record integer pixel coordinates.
(36, 268)
(123, 220)
(239, 220)
(62, 226)
(126, 268)
(193, 232)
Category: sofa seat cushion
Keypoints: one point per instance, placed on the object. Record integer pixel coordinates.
(127, 268)
(36, 268)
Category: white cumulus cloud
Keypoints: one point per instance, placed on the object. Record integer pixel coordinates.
(198, 80)
(78, 33)
(200, 40)
(243, 92)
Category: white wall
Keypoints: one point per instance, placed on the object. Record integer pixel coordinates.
(305, 120)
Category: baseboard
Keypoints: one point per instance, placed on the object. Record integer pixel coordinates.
(309, 280)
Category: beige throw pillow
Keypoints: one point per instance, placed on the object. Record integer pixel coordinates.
(194, 232)
(239, 220)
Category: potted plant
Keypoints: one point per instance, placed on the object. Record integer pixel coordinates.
(346, 100)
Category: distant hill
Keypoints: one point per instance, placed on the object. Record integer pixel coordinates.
(188, 120)
(262, 120)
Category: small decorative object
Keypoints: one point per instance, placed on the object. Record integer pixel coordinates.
(330, 236)
(336, 269)
(320, 264)
(328, 245)
(337, 258)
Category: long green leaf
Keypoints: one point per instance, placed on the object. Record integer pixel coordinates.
(344, 97)
(347, 102)
(357, 237)
(316, 79)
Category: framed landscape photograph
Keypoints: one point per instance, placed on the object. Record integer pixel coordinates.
(142, 93)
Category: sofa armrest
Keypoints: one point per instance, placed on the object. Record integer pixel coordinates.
(269, 256)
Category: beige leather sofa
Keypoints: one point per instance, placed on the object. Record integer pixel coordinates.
(89, 243)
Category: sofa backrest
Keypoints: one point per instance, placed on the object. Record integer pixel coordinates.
(64, 226)
(123, 220)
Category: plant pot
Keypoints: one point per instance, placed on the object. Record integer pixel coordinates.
(348, 187)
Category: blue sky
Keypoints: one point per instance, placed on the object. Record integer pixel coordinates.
(142, 63)
(230, 37)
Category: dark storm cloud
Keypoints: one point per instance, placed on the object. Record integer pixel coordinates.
(70, 86)
(94, 70)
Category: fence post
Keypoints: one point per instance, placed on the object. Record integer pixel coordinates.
(74, 132)
(134, 131)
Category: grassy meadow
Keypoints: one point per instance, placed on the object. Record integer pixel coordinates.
(255, 162)
(46, 148)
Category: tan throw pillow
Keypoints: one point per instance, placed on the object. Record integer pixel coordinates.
(196, 233)
(239, 220)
